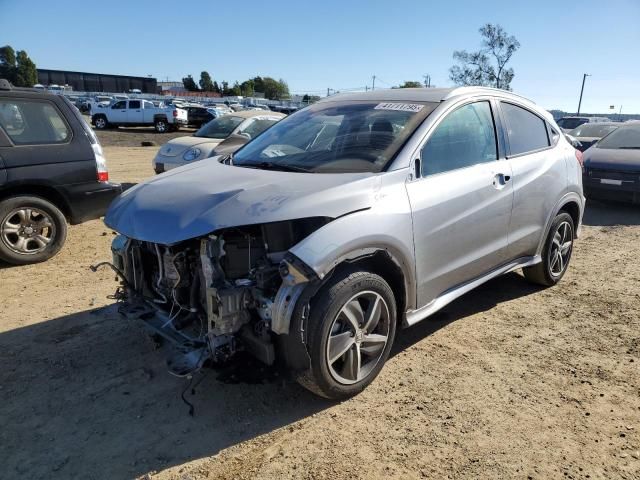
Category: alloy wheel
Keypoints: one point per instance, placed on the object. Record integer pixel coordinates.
(27, 230)
(357, 337)
(561, 247)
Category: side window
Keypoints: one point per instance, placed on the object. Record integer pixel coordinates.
(465, 137)
(257, 127)
(526, 132)
(134, 104)
(121, 105)
(148, 104)
(32, 122)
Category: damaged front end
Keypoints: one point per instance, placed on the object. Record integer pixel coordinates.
(210, 297)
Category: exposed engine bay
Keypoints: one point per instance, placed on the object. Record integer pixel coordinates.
(210, 297)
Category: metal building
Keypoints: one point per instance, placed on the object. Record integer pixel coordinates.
(97, 82)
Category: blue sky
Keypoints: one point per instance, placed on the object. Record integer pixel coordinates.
(340, 44)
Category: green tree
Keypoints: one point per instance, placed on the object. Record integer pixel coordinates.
(216, 87)
(410, 84)
(247, 88)
(189, 83)
(8, 63)
(26, 73)
(235, 90)
(224, 90)
(273, 89)
(205, 82)
(487, 66)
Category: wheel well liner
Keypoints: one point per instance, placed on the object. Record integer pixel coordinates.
(381, 263)
(573, 209)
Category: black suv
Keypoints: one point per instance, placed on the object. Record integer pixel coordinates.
(52, 170)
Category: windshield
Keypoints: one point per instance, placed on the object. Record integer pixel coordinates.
(623, 138)
(333, 137)
(220, 127)
(571, 123)
(592, 130)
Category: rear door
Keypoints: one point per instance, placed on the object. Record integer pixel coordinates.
(5, 144)
(148, 110)
(134, 111)
(539, 175)
(461, 204)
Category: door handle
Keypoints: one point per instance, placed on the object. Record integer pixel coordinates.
(500, 180)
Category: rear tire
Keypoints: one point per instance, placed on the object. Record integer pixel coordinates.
(32, 230)
(352, 325)
(556, 253)
(161, 125)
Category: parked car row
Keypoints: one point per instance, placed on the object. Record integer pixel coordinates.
(222, 135)
(310, 237)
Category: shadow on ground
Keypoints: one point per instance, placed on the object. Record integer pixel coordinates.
(609, 214)
(481, 299)
(87, 395)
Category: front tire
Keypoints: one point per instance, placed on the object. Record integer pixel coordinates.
(352, 326)
(100, 122)
(32, 230)
(161, 126)
(556, 253)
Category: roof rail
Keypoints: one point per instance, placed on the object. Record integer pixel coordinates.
(488, 90)
(5, 84)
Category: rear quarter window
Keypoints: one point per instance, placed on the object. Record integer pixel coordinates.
(33, 122)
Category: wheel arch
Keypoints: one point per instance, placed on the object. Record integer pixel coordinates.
(573, 204)
(45, 192)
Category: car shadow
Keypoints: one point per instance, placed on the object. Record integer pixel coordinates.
(608, 214)
(485, 297)
(87, 395)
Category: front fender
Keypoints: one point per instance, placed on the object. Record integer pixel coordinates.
(386, 226)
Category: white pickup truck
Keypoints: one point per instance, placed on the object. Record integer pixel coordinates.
(138, 112)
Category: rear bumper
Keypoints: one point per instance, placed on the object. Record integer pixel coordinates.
(88, 201)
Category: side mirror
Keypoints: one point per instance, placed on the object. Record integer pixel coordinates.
(244, 135)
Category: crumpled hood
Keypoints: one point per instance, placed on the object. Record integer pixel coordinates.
(205, 196)
(612, 158)
(179, 145)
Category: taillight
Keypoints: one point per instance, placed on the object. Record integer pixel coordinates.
(580, 159)
(101, 163)
(175, 113)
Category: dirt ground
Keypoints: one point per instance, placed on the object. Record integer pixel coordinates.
(510, 381)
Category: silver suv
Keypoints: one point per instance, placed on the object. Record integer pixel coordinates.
(314, 241)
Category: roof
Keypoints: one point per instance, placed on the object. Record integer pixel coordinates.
(256, 113)
(422, 94)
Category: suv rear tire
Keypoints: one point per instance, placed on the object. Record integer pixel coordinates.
(161, 125)
(556, 253)
(32, 230)
(352, 324)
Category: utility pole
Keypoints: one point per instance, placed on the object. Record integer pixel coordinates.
(328, 91)
(374, 83)
(584, 77)
(427, 81)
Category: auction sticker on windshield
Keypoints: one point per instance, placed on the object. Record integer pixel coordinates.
(402, 107)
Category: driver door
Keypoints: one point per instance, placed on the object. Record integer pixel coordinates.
(461, 204)
(118, 113)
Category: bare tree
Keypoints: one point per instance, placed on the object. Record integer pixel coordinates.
(487, 66)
